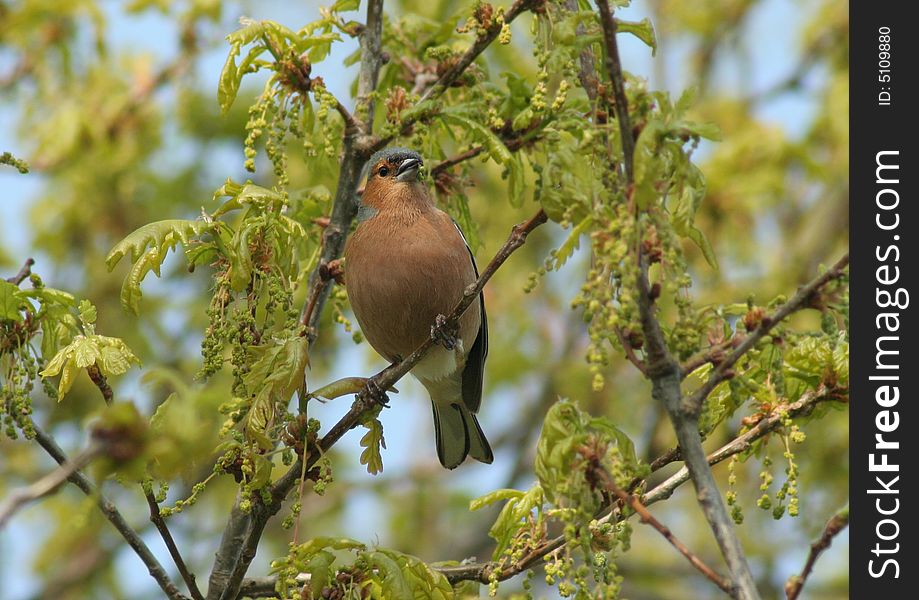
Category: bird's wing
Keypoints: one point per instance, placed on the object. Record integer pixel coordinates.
(475, 360)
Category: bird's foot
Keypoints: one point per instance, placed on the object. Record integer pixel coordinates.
(376, 393)
(443, 333)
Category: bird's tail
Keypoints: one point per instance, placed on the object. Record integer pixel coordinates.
(459, 435)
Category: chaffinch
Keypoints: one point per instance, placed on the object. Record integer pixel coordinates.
(406, 263)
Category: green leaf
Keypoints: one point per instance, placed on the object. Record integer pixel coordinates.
(341, 387)
(11, 301)
(513, 515)
(495, 496)
(643, 30)
(47, 296)
(111, 355)
(241, 261)
(705, 246)
(278, 368)
(87, 312)
(372, 442)
(346, 5)
(389, 574)
(249, 32)
(572, 243)
(493, 144)
(116, 357)
(259, 419)
(319, 567)
(158, 235)
(85, 352)
(230, 78)
(516, 182)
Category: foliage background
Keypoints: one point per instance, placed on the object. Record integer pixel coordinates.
(114, 106)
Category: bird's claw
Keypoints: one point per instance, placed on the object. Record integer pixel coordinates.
(376, 393)
(442, 333)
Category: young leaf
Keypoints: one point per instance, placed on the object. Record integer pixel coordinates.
(643, 30)
(228, 84)
(11, 301)
(372, 442)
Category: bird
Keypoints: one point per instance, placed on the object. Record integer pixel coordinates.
(406, 265)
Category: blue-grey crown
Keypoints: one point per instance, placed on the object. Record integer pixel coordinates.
(394, 155)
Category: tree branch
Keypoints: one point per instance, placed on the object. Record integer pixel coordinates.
(23, 273)
(602, 476)
(482, 572)
(834, 526)
(111, 513)
(451, 75)
(802, 299)
(157, 519)
(355, 153)
(802, 407)
(664, 372)
(614, 67)
(47, 485)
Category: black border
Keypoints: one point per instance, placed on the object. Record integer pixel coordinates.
(875, 128)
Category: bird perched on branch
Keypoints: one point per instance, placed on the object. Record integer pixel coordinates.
(406, 265)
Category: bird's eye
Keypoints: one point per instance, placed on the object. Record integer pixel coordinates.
(383, 172)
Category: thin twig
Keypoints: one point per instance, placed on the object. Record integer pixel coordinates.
(100, 381)
(23, 273)
(714, 354)
(834, 526)
(111, 513)
(451, 75)
(482, 572)
(630, 352)
(47, 485)
(157, 519)
(802, 299)
(455, 160)
(603, 477)
(614, 67)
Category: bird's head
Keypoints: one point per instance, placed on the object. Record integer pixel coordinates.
(393, 171)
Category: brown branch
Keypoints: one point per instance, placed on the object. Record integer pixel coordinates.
(482, 572)
(630, 352)
(95, 374)
(111, 513)
(603, 477)
(47, 485)
(802, 299)
(714, 354)
(801, 407)
(614, 67)
(834, 526)
(157, 519)
(451, 75)
(23, 273)
(455, 160)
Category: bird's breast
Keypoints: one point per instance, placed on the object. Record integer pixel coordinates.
(399, 276)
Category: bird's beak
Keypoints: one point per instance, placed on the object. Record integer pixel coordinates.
(408, 170)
